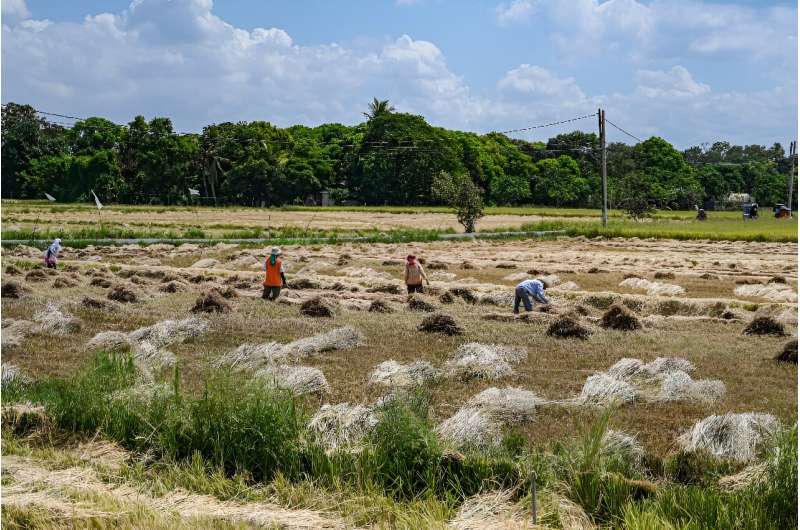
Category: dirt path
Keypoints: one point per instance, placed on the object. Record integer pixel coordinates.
(32, 485)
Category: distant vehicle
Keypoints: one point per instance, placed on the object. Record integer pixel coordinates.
(750, 211)
(781, 211)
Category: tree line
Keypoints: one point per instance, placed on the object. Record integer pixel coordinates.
(392, 158)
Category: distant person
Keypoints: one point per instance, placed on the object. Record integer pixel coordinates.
(701, 214)
(529, 289)
(754, 211)
(414, 275)
(274, 277)
(51, 254)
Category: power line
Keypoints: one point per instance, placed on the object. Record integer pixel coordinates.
(623, 130)
(549, 124)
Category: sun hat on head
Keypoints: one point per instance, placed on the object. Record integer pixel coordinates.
(275, 251)
(411, 258)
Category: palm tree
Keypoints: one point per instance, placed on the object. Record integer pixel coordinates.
(377, 108)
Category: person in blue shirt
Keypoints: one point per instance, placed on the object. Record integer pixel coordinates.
(529, 289)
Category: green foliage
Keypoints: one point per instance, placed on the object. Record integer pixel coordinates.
(460, 193)
(238, 425)
(558, 181)
(391, 159)
(405, 453)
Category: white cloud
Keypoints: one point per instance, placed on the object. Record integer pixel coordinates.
(515, 12)
(535, 80)
(15, 9)
(661, 28)
(177, 58)
(675, 83)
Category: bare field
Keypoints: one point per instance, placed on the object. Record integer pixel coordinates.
(219, 218)
(684, 325)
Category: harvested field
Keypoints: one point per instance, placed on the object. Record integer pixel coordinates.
(489, 378)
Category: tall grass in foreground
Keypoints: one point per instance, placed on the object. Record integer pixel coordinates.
(237, 431)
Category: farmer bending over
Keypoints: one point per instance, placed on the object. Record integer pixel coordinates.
(274, 278)
(414, 275)
(51, 254)
(534, 289)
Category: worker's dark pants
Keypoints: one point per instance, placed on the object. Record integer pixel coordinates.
(414, 288)
(522, 294)
(271, 293)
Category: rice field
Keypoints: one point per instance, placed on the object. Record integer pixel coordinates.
(165, 390)
(34, 220)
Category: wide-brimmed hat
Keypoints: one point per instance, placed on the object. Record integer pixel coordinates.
(275, 251)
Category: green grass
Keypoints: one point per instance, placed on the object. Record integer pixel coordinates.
(765, 229)
(234, 435)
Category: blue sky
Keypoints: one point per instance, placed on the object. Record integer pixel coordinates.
(691, 72)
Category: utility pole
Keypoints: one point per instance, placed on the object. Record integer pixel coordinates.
(601, 119)
(792, 156)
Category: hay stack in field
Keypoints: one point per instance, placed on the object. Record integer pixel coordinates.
(122, 293)
(110, 341)
(342, 338)
(568, 286)
(100, 281)
(152, 357)
(622, 444)
(417, 303)
(24, 418)
(393, 374)
(789, 353)
(211, 301)
(464, 293)
(303, 283)
(564, 327)
(620, 318)
(440, 323)
(52, 320)
(668, 364)
(653, 288)
(170, 331)
(602, 390)
(773, 292)
(446, 298)
(254, 356)
(470, 427)
(36, 275)
(317, 307)
(738, 437)
(95, 303)
(172, 287)
(299, 380)
(484, 361)
(777, 279)
(12, 271)
(11, 373)
(15, 331)
(62, 282)
(379, 306)
(12, 289)
(664, 275)
(626, 368)
(500, 298)
(679, 386)
(389, 288)
(509, 405)
(764, 326)
(205, 263)
(493, 510)
(342, 426)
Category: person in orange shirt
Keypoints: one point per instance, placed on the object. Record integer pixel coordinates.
(274, 277)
